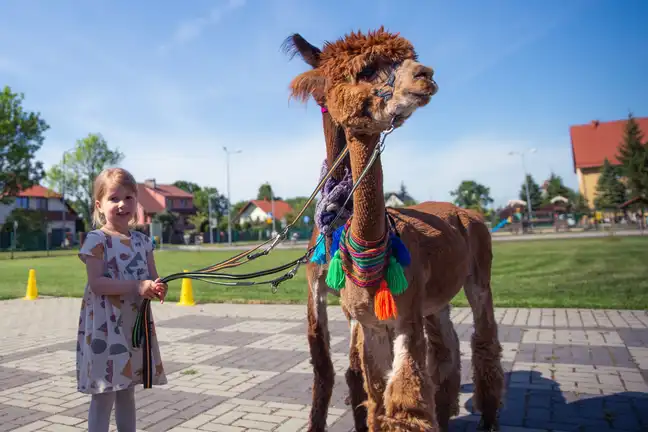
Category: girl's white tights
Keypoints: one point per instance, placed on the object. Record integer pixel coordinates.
(101, 407)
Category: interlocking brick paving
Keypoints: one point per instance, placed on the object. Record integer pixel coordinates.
(247, 368)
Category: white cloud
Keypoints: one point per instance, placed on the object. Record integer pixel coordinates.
(191, 29)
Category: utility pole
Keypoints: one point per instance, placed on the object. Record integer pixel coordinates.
(526, 180)
(229, 199)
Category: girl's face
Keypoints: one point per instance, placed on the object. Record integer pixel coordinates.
(118, 206)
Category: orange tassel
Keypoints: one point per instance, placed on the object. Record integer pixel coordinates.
(384, 304)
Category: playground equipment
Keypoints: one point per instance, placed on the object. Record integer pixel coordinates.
(500, 224)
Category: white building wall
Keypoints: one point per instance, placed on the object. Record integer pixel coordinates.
(253, 213)
(53, 204)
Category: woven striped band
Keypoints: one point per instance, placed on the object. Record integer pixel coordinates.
(363, 261)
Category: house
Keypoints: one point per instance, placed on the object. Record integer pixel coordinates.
(591, 144)
(261, 210)
(59, 215)
(398, 199)
(154, 198)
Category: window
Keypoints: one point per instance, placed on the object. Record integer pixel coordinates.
(183, 203)
(22, 202)
(41, 203)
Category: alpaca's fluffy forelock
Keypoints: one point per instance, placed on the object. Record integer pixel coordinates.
(347, 56)
(342, 60)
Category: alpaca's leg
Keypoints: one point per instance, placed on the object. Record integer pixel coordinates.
(409, 395)
(488, 375)
(319, 344)
(444, 365)
(355, 382)
(376, 359)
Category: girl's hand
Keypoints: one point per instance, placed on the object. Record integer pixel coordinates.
(161, 289)
(147, 289)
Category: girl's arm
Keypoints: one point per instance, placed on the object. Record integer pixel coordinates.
(154, 275)
(101, 285)
(151, 265)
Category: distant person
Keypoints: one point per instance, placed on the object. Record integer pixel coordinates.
(121, 273)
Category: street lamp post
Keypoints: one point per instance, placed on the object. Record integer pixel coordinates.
(63, 187)
(526, 180)
(211, 229)
(229, 200)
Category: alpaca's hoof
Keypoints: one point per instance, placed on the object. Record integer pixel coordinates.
(488, 425)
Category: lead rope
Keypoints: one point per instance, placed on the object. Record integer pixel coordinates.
(142, 331)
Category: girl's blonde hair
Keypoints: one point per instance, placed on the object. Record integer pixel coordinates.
(107, 178)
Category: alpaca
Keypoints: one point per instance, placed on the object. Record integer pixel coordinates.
(370, 82)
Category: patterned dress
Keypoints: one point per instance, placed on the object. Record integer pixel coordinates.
(106, 359)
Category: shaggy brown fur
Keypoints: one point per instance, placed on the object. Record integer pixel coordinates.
(318, 343)
(449, 248)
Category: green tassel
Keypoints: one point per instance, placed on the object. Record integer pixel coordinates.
(335, 275)
(396, 280)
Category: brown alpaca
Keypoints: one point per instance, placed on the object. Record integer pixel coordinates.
(449, 248)
(318, 333)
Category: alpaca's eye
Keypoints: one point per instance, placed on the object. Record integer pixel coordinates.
(368, 73)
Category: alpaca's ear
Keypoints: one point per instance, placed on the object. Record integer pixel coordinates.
(296, 44)
(309, 83)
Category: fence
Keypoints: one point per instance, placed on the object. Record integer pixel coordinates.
(35, 244)
(239, 236)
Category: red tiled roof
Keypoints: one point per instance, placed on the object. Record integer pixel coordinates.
(150, 204)
(38, 191)
(281, 208)
(595, 141)
(168, 191)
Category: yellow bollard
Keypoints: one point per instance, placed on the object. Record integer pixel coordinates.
(32, 289)
(186, 293)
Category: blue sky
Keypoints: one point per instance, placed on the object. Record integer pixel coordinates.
(169, 83)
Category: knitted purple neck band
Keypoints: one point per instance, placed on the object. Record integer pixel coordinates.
(334, 194)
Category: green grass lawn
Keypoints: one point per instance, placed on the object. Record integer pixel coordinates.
(593, 273)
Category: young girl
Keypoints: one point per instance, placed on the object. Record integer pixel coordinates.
(121, 273)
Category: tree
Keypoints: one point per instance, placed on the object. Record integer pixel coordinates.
(633, 156)
(77, 171)
(610, 192)
(31, 228)
(472, 195)
(266, 193)
(556, 187)
(405, 196)
(186, 186)
(21, 136)
(297, 204)
(579, 202)
(168, 220)
(534, 192)
(218, 202)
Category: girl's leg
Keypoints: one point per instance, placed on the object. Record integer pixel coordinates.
(125, 410)
(99, 412)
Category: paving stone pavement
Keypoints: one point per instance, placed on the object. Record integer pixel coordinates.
(246, 368)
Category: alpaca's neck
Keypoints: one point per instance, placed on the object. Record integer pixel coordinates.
(335, 141)
(368, 221)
